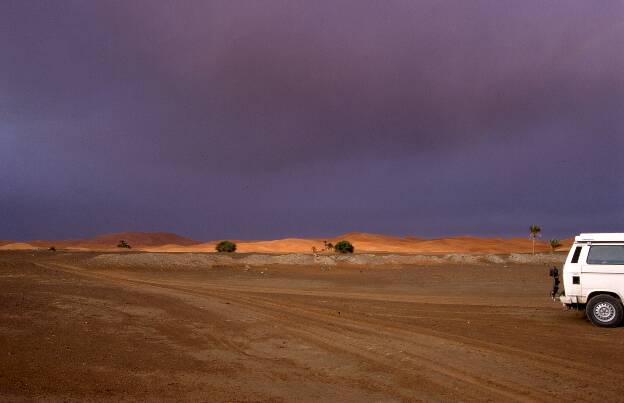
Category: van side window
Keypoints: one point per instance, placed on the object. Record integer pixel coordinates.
(606, 254)
(577, 254)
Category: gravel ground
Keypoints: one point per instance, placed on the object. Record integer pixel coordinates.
(364, 259)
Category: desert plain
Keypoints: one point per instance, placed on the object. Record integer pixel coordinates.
(461, 319)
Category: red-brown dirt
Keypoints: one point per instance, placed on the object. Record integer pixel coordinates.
(73, 330)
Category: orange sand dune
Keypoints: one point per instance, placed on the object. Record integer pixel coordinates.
(363, 242)
(280, 245)
(383, 243)
(369, 243)
(292, 245)
(17, 246)
(145, 238)
(137, 240)
(202, 247)
(475, 244)
(368, 237)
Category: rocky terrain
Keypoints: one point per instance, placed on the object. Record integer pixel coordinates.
(166, 260)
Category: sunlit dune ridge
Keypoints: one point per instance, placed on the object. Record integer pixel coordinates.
(17, 246)
(363, 242)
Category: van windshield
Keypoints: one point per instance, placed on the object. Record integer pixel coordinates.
(606, 254)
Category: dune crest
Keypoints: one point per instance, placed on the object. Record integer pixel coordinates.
(138, 240)
(17, 246)
(363, 242)
(145, 239)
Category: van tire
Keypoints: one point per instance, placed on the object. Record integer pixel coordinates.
(605, 310)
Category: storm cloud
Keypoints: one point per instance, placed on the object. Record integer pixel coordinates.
(297, 118)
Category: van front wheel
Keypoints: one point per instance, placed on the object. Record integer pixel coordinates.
(605, 311)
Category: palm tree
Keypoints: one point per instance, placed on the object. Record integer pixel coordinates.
(535, 233)
(554, 244)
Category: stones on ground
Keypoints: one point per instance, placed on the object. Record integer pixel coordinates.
(208, 260)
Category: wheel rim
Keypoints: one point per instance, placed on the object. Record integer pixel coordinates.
(604, 312)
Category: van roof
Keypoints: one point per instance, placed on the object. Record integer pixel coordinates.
(602, 237)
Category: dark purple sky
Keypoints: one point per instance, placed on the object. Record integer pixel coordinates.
(241, 119)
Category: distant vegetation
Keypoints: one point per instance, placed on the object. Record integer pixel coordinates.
(226, 246)
(344, 247)
(554, 244)
(328, 246)
(124, 244)
(52, 249)
(535, 231)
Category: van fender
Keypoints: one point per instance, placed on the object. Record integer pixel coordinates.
(592, 293)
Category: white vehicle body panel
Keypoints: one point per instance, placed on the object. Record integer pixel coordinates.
(583, 278)
(606, 237)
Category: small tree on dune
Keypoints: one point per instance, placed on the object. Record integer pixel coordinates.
(344, 247)
(535, 232)
(226, 246)
(554, 244)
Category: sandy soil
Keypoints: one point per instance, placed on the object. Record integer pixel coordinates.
(17, 246)
(72, 329)
(363, 242)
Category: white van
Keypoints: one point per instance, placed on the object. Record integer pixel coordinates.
(593, 277)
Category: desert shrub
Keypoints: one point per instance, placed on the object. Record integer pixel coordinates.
(554, 244)
(52, 249)
(226, 246)
(344, 247)
(124, 244)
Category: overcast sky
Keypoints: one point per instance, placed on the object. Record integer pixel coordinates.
(249, 120)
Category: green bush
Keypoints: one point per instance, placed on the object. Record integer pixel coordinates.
(226, 246)
(554, 244)
(344, 247)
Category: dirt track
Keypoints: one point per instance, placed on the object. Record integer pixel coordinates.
(72, 330)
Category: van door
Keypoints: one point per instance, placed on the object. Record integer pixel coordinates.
(572, 270)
